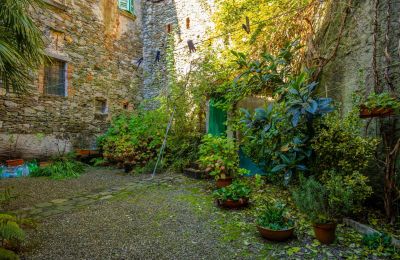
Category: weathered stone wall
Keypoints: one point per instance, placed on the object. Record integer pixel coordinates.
(352, 66)
(101, 45)
(157, 17)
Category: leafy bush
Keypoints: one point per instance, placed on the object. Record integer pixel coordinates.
(282, 132)
(60, 169)
(274, 217)
(10, 234)
(134, 138)
(339, 146)
(330, 202)
(183, 148)
(237, 190)
(311, 198)
(382, 100)
(354, 185)
(377, 241)
(219, 155)
(7, 254)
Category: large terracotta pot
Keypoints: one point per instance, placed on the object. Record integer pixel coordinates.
(375, 112)
(14, 163)
(325, 233)
(233, 204)
(224, 182)
(276, 235)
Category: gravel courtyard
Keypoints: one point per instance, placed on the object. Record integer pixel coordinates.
(106, 214)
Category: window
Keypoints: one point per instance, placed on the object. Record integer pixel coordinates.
(126, 5)
(188, 23)
(55, 82)
(101, 106)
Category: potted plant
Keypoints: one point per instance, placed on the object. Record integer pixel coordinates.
(218, 154)
(326, 203)
(273, 224)
(379, 105)
(234, 196)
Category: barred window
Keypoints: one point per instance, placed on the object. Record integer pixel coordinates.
(55, 78)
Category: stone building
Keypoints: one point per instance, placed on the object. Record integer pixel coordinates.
(184, 22)
(93, 47)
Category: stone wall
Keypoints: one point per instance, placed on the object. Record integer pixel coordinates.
(352, 66)
(100, 45)
(180, 21)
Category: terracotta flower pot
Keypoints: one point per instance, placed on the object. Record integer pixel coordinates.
(83, 152)
(375, 112)
(276, 235)
(224, 182)
(14, 163)
(325, 233)
(44, 164)
(233, 204)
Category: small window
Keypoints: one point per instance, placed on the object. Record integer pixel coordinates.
(126, 5)
(101, 106)
(55, 82)
(169, 28)
(188, 23)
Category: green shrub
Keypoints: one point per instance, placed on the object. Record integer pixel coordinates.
(377, 240)
(61, 169)
(237, 190)
(10, 234)
(382, 100)
(273, 217)
(311, 198)
(8, 254)
(339, 146)
(354, 185)
(219, 155)
(183, 148)
(134, 138)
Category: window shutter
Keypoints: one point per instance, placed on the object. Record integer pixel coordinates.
(124, 4)
(131, 7)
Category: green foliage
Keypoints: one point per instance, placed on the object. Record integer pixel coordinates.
(330, 202)
(354, 186)
(7, 254)
(134, 138)
(60, 169)
(381, 100)
(219, 155)
(21, 43)
(380, 244)
(339, 146)
(273, 217)
(237, 190)
(183, 148)
(257, 76)
(280, 134)
(311, 198)
(9, 229)
(376, 240)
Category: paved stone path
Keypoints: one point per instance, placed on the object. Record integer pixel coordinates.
(59, 206)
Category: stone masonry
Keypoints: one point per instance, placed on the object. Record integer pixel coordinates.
(100, 46)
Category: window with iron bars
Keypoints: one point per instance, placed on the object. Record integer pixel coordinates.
(55, 78)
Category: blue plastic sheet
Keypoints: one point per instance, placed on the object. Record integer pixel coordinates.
(14, 172)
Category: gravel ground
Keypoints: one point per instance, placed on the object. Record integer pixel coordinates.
(150, 222)
(30, 191)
